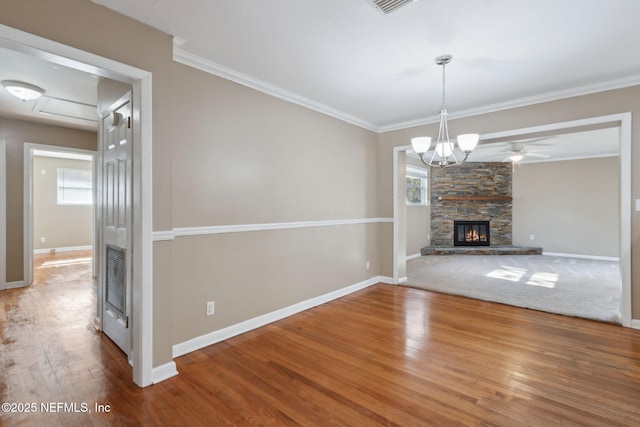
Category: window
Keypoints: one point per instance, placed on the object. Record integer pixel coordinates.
(74, 187)
(416, 186)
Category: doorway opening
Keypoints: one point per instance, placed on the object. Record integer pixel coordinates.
(59, 210)
(620, 121)
(142, 257)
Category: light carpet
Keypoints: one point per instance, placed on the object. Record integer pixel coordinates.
(570, 286)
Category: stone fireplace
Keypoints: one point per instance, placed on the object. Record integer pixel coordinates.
(479, 192)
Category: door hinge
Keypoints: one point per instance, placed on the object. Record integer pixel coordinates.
(129, 122)
(126, 321)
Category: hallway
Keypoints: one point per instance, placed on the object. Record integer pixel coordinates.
(51, 351)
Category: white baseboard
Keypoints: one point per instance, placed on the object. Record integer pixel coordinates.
(635, 323)
(64, 249)
(164, 372)
(402, 279)
(248, 325)
(15, 285)
(385, 279)
(414, 256)
(594, 257)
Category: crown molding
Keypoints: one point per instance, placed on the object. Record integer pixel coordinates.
(202, 64)
(521, 102)
(207, 66)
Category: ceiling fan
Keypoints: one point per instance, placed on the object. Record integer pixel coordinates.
(518, 151)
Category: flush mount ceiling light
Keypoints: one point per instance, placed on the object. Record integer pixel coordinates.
(22, 90)
(444, 150)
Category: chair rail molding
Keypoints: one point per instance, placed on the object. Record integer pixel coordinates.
(242, 228)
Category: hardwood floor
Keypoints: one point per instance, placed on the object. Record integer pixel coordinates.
(387, 355)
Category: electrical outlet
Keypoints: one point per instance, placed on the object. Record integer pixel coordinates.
(211, 308)
(367, 265)
(43, 240)
(531, 237)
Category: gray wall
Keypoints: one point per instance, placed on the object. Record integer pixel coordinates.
(570, 207)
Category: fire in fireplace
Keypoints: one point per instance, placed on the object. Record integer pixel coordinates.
(471, 233)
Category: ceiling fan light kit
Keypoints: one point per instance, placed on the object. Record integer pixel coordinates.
(518, 151)
(443, 155)
(23, 91)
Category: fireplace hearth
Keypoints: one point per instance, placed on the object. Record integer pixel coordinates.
(471, 233)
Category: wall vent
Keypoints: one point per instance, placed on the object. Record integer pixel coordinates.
(116, 279)
(388, 6)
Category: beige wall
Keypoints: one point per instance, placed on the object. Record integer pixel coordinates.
(224, 154)
(243, 157)
(84, 25)
(418, 219)
(61, 225)
(582, 107)
(570, 207)
(110, 91)
(17, 133)
(254, 273)
(418, 226)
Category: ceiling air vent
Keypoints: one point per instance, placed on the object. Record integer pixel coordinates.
(388, 6)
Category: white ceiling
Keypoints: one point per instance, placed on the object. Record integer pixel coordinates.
(586, 144)
(349, 60)
(569, 146)
(70, 95)
(377, 70)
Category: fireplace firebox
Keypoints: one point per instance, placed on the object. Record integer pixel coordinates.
(471, 233)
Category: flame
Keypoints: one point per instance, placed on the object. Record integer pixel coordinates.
(473, 235)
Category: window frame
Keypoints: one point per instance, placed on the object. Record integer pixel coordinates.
(423, 175)
(60, 187)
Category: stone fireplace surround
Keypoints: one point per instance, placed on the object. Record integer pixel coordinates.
(472, 192)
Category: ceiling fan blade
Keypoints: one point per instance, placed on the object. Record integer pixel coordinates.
(533, 141)
(539, 155)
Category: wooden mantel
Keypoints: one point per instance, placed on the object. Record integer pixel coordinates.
(486, 198)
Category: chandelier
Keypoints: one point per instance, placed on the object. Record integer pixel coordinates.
(443, 155)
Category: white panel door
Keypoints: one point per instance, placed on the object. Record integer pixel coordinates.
(116, 223)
